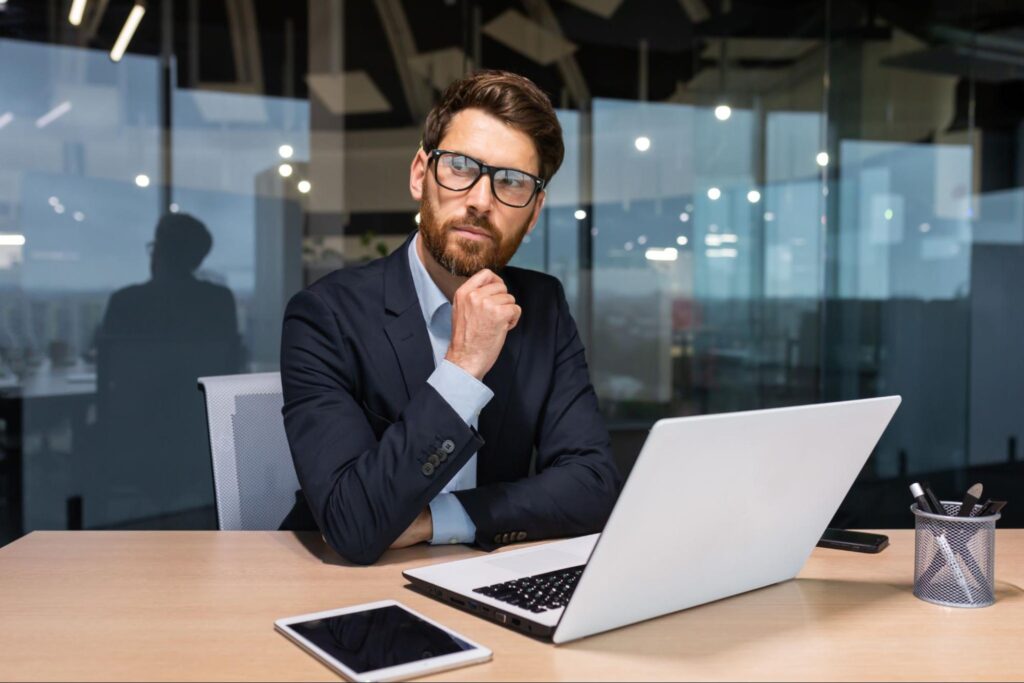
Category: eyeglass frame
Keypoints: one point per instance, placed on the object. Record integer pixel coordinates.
(489, 171)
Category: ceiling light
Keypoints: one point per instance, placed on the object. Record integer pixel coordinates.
(684, 217)
(769, 216)
(580, 214)
(59, 209)
(142, 180)
(174, 208)
(924, 227)
(723, 112)
(285, 170)
(714, 193)
(127, 31)
(666, 254)
(77, 11)
(888, 214)
(642, 143)
(78, 216)
(628, 246)
(54, 201)
(285, 151)
(681, 240)
(5, 119)
(54, 114)
(304, 186)
(822, 159)
(720, 253)
(11, 240)
(753, 196)
(642, 239)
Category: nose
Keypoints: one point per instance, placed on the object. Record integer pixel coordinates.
(480, 198)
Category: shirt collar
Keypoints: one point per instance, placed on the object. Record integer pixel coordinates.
(430, 296)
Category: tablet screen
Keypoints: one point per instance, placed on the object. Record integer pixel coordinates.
(379, 638)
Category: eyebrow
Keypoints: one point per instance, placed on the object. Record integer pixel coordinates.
(476, 158)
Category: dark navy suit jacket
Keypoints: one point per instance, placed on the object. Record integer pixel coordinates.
(366, 429)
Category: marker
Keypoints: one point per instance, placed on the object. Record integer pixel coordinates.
(970, 500)
(922, 501)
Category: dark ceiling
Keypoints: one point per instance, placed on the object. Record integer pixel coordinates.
(607, 54)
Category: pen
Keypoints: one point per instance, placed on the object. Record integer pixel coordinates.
(937, 506)
(992, 507)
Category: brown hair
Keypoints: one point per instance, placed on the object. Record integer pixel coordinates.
(514, 99)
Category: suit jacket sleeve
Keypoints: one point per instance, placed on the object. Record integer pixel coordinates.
(577, 482)
(362, 492)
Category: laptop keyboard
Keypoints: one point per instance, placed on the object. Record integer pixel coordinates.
(537, 593)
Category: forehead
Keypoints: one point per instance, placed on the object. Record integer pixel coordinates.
(491, 140)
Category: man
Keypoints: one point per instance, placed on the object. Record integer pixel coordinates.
(417, 387)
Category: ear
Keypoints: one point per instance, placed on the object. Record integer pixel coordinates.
(538, 204)
(417, 174)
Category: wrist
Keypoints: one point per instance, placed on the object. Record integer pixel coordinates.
(426, 525)
(466, 364)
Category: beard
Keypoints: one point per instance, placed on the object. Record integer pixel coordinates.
(461, 256)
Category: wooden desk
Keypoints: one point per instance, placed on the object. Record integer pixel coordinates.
(200, 605)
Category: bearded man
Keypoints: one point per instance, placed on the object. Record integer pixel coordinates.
(417, 387)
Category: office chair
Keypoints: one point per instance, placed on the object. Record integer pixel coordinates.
(253, 475)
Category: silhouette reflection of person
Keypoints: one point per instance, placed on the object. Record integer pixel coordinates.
(156, 339)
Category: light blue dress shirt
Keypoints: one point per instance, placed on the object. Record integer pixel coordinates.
(464, 393)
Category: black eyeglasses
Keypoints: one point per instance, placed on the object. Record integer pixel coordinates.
(458, 172)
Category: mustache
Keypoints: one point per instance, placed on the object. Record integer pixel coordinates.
(475, 221)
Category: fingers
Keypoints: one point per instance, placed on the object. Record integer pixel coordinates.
(517, 313)
(480, 279)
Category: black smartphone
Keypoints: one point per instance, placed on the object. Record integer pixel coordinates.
(857, 541)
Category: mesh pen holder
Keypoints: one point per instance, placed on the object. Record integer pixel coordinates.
(954, 557)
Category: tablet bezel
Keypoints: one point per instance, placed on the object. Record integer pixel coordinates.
(476, 655)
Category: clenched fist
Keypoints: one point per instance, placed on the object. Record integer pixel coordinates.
(483, 312)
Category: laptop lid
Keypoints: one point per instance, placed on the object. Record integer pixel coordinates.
(717, 505)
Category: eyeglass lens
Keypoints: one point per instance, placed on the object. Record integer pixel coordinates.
(457, 172)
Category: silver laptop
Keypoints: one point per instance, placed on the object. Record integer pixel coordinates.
(715, 505)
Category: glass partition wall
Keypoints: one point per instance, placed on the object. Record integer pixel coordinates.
(760, 206)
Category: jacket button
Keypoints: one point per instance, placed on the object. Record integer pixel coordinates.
(434, 460)
(427, 469)
(441, 455)
(497, 538)
(504, 538)
(521, 536)
(448, 446)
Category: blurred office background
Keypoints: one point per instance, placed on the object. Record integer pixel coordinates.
(762, 204)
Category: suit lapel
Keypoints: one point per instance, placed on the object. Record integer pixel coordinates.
(404, 323)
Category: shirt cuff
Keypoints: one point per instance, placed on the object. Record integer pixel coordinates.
(451, 523)
(462, 391)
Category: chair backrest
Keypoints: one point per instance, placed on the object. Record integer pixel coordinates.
(253, 475)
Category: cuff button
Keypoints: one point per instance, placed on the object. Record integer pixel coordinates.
(448, 446)
(434, 460)
(427, 469)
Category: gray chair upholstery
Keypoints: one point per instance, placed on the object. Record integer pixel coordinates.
(253, 474)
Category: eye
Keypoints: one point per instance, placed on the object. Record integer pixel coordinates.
(512, 179)
(459, 164)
